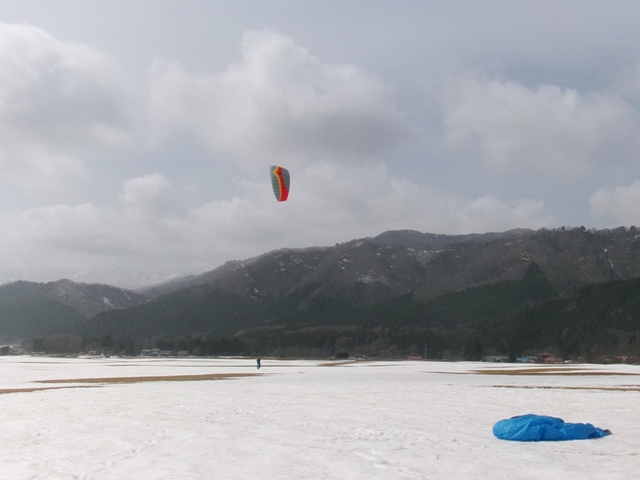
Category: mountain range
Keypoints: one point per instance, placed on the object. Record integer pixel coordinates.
(443, 290)
(367, 271)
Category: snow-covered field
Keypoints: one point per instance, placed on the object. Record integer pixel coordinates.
(307, 419)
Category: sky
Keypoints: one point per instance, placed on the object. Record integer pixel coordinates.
(136, 137)
(303, 420)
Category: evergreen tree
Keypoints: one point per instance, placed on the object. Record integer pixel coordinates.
(474, 350)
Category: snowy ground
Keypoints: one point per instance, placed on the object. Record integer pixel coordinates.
(307, 420)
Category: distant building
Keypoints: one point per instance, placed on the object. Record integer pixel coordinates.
(548, 358)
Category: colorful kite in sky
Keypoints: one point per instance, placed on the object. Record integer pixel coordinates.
(280, 182)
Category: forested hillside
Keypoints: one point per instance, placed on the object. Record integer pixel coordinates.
(29, 309)
(570, 291)
(511, 318)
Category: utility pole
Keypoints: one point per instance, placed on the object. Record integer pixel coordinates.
(425, 351)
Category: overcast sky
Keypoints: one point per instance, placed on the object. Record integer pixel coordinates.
(136, 137)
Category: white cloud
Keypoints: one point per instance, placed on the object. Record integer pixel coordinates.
(42, 172)
(489, 214)
(330, 203)
(57, 99)
(153, 231)
(280, 103)
(48, 243)
(150, 196)
(619, 204)
(334, 125)
(550, 129)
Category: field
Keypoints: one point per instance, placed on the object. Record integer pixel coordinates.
(147, 418)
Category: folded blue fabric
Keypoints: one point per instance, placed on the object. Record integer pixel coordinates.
(536, 428)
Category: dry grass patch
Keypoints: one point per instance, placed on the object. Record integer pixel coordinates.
(37, 389)
(548, 371)
(622, 388)
(163, 378)
(337, 363)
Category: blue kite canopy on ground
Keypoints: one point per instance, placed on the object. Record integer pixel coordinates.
(536, 428)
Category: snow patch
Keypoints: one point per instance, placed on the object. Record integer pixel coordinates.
(301, 419)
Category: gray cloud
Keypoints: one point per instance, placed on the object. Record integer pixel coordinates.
(57, 100)
(150, 196)
(153, 230)
(280, 102)
(550, 129)
(361, 104)
(618, 205)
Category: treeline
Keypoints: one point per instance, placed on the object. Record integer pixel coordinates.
(510, 318)
(24, 316)
(589, 321)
